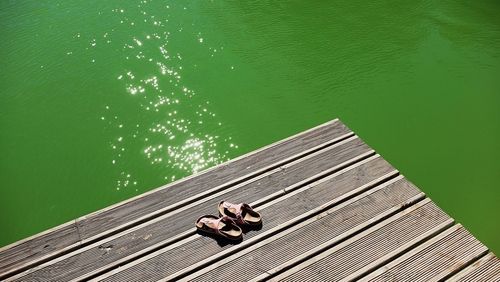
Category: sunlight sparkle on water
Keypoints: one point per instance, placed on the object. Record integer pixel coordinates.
(177, 141)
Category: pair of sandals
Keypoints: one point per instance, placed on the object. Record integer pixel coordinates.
(231, 217)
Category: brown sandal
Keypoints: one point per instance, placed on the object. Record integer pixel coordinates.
(240, 213)
(223, 226)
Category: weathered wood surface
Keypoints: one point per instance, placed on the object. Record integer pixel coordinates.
(434, 260)
(38, 248)
(18, 256)
(331, 226)
(333, 210)
(359, 251)
(485, 269)
(277, 214)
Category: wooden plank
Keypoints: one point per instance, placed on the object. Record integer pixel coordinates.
(332, 226)
(412, 225)
(485, 269)
(219, 177)
(38, 247)
(133, 241)
(435, 260)
(383, 268)
(19, 256)
(278, 214)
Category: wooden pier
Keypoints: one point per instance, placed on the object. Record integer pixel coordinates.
(332, 208)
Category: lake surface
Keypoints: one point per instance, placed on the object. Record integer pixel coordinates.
(104, 100)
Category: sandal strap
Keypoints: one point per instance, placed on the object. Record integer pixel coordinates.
(211, 221)
(227, 219)
(216, 222)
(238, 210)
(229, 205)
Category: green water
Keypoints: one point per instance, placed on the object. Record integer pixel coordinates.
(104, 100)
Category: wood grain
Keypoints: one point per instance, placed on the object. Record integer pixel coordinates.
(286, 208)
(485, 269)
(333, 226)
(338, 262)
(434, 262)
(38, 248)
